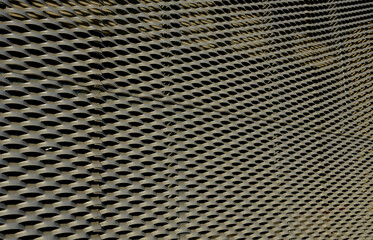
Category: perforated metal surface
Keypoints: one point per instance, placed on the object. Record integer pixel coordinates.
(186, 119)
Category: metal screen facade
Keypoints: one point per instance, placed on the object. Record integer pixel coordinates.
(149, 119)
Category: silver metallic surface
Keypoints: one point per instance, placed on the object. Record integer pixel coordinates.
(149, 119)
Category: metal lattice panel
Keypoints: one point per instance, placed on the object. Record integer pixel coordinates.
(186, 119)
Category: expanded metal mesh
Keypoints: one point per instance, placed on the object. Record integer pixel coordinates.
(149, 119)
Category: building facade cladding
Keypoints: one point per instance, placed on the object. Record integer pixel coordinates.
(198, 119)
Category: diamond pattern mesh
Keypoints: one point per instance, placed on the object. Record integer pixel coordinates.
(149, 119)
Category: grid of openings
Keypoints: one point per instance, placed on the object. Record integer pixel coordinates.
(189, 119)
